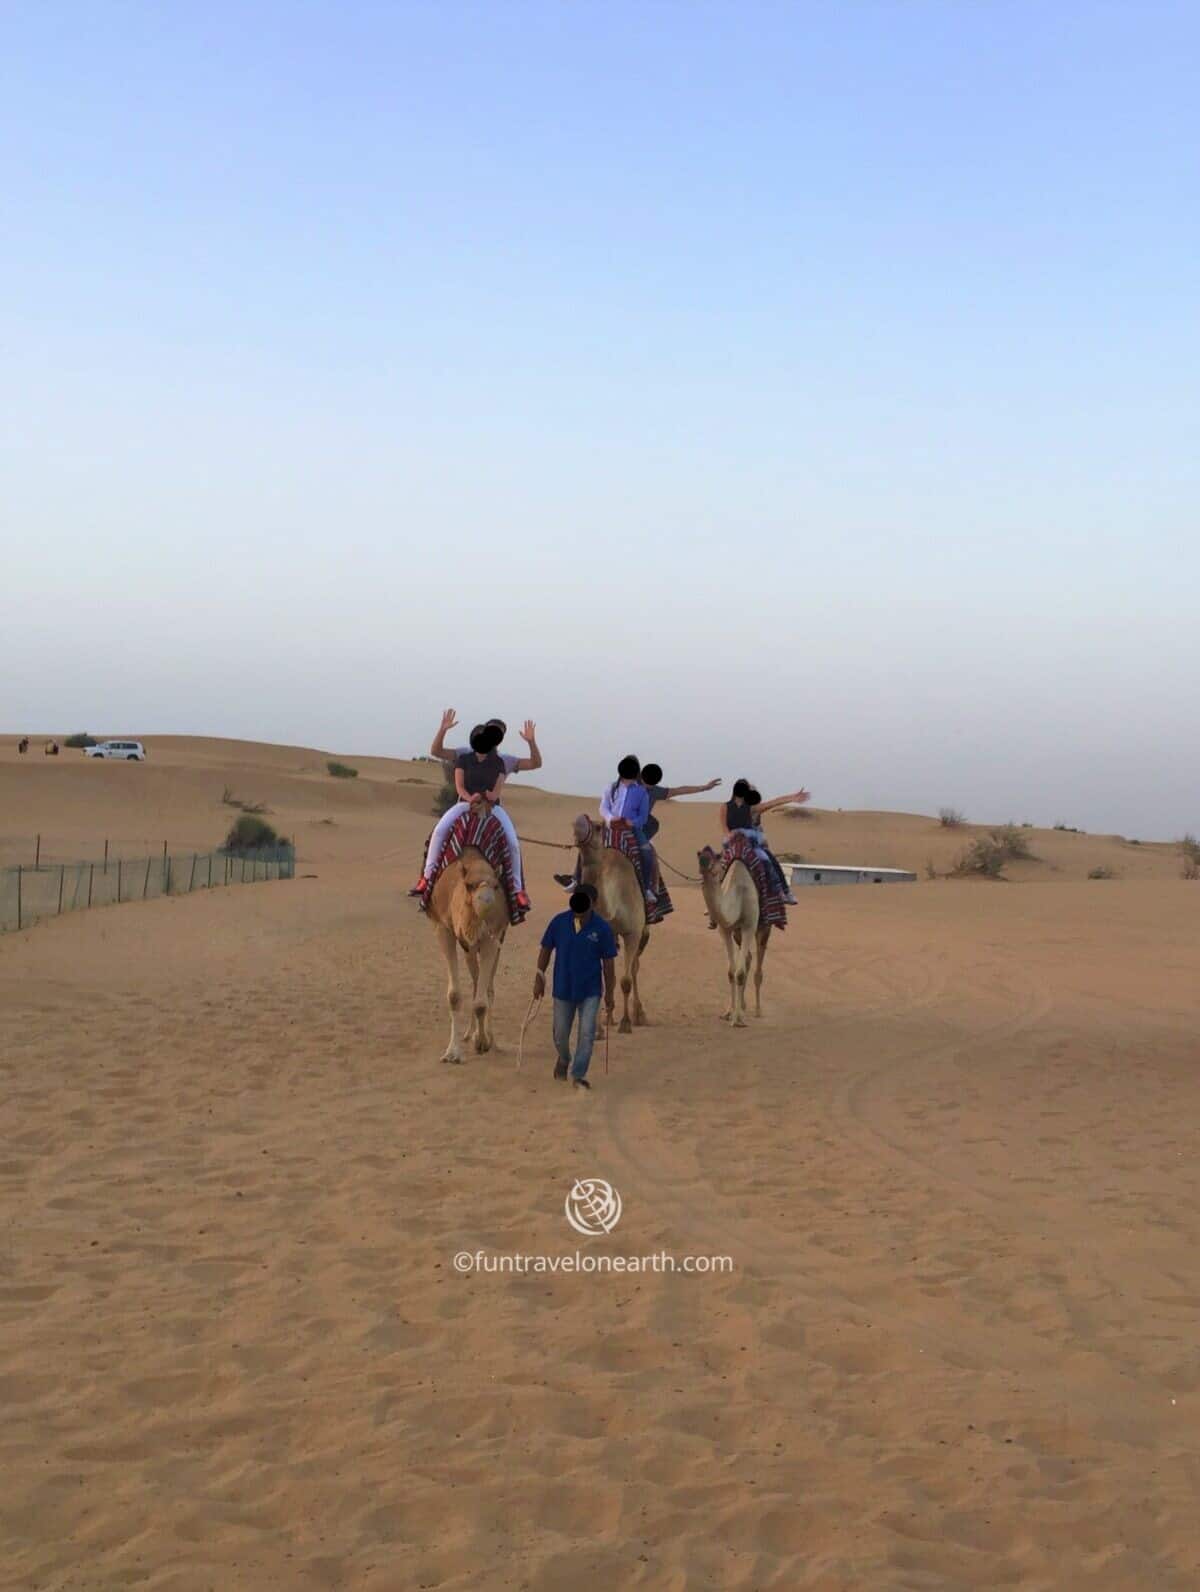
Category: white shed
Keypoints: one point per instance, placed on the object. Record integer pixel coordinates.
(804, 873)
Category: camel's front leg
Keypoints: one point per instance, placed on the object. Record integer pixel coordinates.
(449, 947)
(727, 938)
(764, 934)
(629, 945)
(489, 956)
(639, 1011)
(741, 977)
(472, 956)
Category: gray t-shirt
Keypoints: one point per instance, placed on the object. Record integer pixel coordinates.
(656, 793)
(510, 762)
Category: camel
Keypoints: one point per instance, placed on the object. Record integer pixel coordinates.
(732, 901)
(468, 907)
(620, 901)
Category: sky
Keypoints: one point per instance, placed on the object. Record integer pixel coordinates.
(803, 391)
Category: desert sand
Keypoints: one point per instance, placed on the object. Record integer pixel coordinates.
(955, 1167)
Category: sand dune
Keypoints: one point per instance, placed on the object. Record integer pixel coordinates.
(955, 1168)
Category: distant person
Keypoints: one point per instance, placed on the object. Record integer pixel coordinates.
(584, 948)
(23, 745)
(626, 799)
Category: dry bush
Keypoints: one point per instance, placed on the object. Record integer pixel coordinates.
(984, 856)
(951, 818)
(1101, 873)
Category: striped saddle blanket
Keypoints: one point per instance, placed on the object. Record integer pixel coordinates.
(620, 836)
(483, 831)
(772, 909)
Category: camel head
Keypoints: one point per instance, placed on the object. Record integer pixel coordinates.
(479, 881)
(707, 860)
(587, 832)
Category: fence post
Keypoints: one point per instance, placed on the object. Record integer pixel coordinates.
(192, 875)
(61, 875)
(106, 856)
(91, 876)
(210, 870)
(18, 895)
(118, 881)
(37, 855)
(146, 880)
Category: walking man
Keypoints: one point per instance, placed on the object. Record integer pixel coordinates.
(584, 949)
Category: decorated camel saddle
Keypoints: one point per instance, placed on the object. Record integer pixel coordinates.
(483, 830)
(772, 909)
(620, 836)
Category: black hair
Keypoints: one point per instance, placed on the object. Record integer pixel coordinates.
(741, 789)
(493, 734)
(753, 798)
(629, 767)
(651, 774)
(497, 724)
(481, 740)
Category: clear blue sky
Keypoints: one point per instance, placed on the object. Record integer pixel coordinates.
(801, 390)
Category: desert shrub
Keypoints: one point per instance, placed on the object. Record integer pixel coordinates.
(930, 869)
(951, 818)
(249, 833)
(1101, 873)
(342, 770)
(80, 738)
(797, 811)
(1069, 829)
(789, 856)
(1012, 843)
(446, 794)
(230, 800)
(985, 856)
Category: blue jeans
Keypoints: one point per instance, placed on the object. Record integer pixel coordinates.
(647, 851)
(564, 1018)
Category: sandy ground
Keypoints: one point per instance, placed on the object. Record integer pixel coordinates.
(955, 1167)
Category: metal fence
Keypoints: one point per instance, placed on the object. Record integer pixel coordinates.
(31, 893)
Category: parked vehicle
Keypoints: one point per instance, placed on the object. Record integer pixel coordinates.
(131, 751)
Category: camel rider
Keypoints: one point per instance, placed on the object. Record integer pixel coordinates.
(513, 765)
(626, 798)
(656, 792)
(743, 812)
(479, 776)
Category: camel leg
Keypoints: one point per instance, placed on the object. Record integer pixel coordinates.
(488, 958)
(626, 1027)
(449, 948)
(639, 1011)
(764, 934)
(472, 1035)
(741, 977)
(727, 938)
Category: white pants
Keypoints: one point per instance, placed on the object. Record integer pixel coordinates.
(446, 823)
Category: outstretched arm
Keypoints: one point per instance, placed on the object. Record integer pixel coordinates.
(438, 749)
(796, 797)
(529, 736)
(691, 790)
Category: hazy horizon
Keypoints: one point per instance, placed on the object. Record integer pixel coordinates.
(767, 390)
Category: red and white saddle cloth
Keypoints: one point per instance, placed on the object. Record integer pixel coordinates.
(620, 836)
(484, 831)
(772, 909)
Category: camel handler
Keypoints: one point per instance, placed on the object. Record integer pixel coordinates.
(584, 949)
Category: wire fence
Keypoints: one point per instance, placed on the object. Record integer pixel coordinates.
(32, 892)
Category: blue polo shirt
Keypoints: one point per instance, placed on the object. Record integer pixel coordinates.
(578, 955)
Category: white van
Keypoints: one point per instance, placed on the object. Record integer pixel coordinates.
(132, 751)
